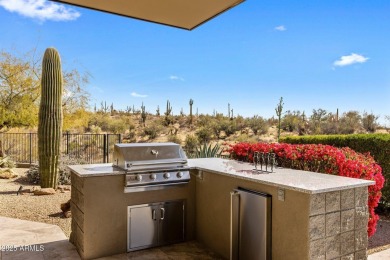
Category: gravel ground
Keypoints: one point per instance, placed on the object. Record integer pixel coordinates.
(47, 209)
(381, 239)
(29, 207)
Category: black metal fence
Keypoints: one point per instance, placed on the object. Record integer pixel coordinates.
(91, 148)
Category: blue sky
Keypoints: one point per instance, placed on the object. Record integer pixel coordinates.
(315, 54)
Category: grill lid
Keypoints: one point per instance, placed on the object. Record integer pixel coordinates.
(144, 156)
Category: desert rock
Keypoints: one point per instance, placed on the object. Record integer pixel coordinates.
(7, 173)
(45, 191)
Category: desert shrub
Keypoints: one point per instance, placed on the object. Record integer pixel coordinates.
(245, 138)
(63, 171)
(130, 137)
(204, 134)
(174, 139)
(378, 145)
(107, 123)
(191, 143)
(258, 125)
(152, 131)
(324, 159)
(117, 126)
(228, 126)
(240, 123)
(204, 120)
(94, 129)
(6, 162)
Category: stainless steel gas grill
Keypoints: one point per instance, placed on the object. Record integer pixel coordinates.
(151, 166)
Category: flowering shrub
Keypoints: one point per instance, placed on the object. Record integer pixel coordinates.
(323, 159)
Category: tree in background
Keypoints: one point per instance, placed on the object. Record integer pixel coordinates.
(19, 90)
(291, 120)
(316, 119)
(369, 122)
(350, 122)
(279, 111)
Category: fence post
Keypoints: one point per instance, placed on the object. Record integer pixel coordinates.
(67, 142)
(30, 148)
(119, 138)
(105, 153)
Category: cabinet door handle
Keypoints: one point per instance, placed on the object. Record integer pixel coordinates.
(162, 213)
(154, 214)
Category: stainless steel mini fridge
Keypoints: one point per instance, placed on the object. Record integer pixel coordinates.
(250, 233)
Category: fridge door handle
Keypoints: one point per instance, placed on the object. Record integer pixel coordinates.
(154, 214)
(234, 223)
(162, 210)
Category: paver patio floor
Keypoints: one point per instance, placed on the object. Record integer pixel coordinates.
(39, 241)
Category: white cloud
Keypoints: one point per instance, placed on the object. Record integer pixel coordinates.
(280, 28)
(134, 94)
(40, 9)
(350, 59)
(173, 77)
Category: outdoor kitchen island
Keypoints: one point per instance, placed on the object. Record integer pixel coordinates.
(313, 216)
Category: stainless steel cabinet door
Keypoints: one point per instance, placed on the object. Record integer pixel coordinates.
(142, 226)
(171, 228)
(251, 225)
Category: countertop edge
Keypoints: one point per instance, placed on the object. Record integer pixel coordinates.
(282, 186)
(110, 171)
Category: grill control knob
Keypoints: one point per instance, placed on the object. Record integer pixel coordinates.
(138, 177)
(167, 175)
(179, 175)
(153, 176)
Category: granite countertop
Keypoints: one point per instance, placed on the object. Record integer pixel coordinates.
(93, 170)
(303, 181)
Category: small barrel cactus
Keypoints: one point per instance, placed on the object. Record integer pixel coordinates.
(50, 118)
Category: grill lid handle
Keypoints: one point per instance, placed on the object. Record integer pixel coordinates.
(141, 163)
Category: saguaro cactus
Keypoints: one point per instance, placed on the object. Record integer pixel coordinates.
(50, 118)
(143, 113)
(168, 117)
(169, 108)
(191, 103)
(158, 111)
(279, 110)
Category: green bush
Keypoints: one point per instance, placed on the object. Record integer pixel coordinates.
(174, 139)
(191, 143)
(152, 130)
(258, 125)
(378, 145)
(208, 151)
(204, 134)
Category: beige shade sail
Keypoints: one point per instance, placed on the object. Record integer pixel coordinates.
(186, 14)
